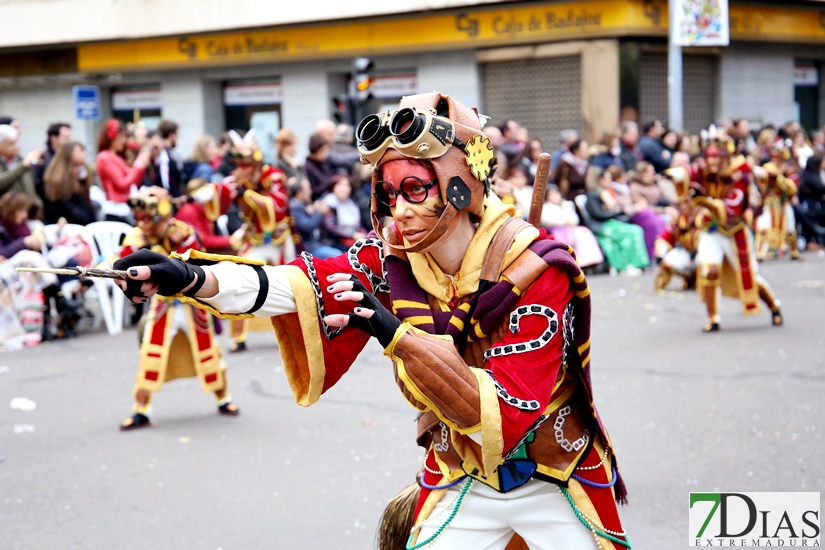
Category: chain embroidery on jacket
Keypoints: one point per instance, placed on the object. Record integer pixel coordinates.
(523, 404)
(444, 446)
(568, 331)
(559, 429)
(329, 332)
(531, 345)
(378, 284)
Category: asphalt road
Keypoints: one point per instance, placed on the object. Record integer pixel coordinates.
(740, 410)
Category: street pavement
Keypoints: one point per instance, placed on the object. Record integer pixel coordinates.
(740, 410)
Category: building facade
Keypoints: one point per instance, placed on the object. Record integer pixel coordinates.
(547, 64)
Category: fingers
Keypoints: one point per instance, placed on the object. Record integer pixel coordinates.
(337, 320)
(140, 272)
(351, 296)
(364, 312)
(340, 286)
(336, 277)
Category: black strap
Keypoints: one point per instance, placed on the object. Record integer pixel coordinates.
(199, 283)
(461, 343)
(263, 288)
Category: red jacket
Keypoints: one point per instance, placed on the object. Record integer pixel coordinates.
(116, 177)
(194, 214)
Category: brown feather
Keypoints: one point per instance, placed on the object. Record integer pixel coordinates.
(398, 519)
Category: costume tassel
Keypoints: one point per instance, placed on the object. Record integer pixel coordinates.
(619, 489)
(398, 519)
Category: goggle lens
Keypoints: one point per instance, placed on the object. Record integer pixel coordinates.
(413, 189)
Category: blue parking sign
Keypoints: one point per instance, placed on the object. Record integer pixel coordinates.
(86, 102)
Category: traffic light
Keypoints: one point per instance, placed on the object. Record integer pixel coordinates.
(362, 79)
(342, 109)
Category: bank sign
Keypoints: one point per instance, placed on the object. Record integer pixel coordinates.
(754, 519)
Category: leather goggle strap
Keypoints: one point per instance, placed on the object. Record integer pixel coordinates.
(445, 227)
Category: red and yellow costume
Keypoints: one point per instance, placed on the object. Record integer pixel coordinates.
(495, 359)
(178, 340)
(777, 182)
(264, 208)
(676, 248)
(725, 255)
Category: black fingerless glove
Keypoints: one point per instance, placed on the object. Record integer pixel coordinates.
(383, 323)
(170, 275)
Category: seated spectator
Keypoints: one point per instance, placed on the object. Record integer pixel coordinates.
(15, 175)
(68, 180)
(608, 152)
(56, 135)
(20, 247)
(560, 218)
(630, 153)
(309, 219)
(286, 144)
(318, 168)
(199, 165)
(193, 212)
(566, 139)
(343, 222)
(116, 178)
(632, 201)
(343, 155)
(572, 169)
(622, 243)
(653, 151)
(522, 190)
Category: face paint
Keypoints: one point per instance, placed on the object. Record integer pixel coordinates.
(414, 221)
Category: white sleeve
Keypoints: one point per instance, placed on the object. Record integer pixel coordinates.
(238, 289)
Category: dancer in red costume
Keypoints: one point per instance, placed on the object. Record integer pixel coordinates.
(486, 321)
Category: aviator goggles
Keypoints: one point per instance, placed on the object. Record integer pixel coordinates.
(415, 134)
(413, 189)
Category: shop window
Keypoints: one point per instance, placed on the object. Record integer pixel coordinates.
(138, 103)
(255, 104)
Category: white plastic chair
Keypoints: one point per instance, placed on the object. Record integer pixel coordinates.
(105, 240)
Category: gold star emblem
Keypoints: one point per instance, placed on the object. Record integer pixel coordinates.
(479, 156)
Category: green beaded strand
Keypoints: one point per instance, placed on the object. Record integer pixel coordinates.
(444, 525)
(625, 543)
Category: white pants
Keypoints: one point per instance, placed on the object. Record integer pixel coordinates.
(678, 259)
(765, 219)
(715, 247)
(487, 519)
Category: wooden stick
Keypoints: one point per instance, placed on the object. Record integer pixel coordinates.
(539, 188)
(79, 271)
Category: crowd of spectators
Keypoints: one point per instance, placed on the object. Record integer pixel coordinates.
(616, 189)
(608, 199)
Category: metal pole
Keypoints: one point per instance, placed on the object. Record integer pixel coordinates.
(674, 73)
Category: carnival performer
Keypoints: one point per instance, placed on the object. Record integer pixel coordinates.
(486, 320)
(259, 190)
(777, 182)
(676, 248)
(178, 339)
(725, 257)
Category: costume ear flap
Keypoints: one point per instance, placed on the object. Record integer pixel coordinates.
(442, 108)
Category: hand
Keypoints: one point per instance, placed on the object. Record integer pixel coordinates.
(371, 316)
(152, 273)
(33, 158)
(33, 242)
(143, 157)
(696, 189)
(61, 223)
(322, 207)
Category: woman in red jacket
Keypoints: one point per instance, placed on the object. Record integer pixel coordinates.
(116, 177)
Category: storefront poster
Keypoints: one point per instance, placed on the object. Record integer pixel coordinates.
(701, 23)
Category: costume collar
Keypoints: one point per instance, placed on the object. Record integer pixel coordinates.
(436, 283)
